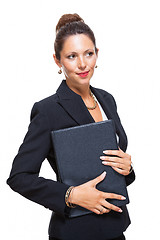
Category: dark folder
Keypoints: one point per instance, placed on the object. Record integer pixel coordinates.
(78, 150)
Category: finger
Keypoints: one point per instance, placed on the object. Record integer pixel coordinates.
(120, 149)
(109, 206)
(114, 152)
(105, 205)
(113, 196)
(112, 159)
(121, 171)
(114, 164)
(103, 210)
(98, 179)
(107, 210)
(97, 211)
(100, 212)
(114, 208)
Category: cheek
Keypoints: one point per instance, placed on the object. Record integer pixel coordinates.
(92, 63)
(69, 68)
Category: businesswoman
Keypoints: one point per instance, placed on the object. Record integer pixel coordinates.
(76, 102)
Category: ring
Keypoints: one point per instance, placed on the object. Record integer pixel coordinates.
(101, 211)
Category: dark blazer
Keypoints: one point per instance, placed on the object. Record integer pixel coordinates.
(62, 110)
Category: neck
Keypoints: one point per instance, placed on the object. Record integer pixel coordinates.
(82, 90)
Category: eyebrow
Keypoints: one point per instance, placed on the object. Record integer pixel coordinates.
(90, 49)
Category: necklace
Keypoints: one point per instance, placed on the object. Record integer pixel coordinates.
(95, 102)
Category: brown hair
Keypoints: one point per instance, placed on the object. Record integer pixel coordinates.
(71, 24)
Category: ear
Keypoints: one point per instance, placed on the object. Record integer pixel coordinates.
(97, 52)
(57, 61)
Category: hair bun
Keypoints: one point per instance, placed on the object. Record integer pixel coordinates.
(68, 18)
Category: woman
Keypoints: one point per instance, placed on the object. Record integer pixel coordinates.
(74, 103)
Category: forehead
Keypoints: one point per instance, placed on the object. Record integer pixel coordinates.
(77, 43)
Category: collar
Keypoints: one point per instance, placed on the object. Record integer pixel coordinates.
(73, 104)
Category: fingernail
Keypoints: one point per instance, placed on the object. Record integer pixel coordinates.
(102, 157)
(123, 198)
(105, 163)
(104, 174)
(105, 152)
(120, 210)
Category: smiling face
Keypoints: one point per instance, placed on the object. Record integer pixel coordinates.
(78, 60)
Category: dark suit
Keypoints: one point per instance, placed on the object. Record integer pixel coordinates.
(62, 110)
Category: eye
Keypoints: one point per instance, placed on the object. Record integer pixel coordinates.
(71, 56)
(90, 54)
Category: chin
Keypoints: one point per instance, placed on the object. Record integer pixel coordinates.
(84, 82)
(78, 81)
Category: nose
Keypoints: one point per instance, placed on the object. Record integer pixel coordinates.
(81, 63)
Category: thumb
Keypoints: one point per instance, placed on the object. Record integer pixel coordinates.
(98, 179)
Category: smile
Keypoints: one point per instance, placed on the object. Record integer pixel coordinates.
(83, 74)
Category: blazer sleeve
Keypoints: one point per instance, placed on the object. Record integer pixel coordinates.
(24, 177)
(130, 178)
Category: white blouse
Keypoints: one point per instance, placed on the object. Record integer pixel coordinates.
(104, 116)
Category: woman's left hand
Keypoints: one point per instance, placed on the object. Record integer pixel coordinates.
(120, 162)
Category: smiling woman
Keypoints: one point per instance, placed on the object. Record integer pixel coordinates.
(78, 60)
(76, 102)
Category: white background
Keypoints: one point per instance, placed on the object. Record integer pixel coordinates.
(128, 36)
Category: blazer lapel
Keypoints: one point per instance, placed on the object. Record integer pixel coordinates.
(73, 104)
(111, 113)
(102, 99)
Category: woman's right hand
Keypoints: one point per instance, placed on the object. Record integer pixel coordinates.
(87, 196)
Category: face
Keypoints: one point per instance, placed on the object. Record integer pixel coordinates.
(78, 59)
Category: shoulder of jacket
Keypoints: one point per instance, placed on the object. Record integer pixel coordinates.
(44, 105)
(48, 100)
(107, 96)
(103, 92)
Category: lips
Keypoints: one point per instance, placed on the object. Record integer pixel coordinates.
(83, 74)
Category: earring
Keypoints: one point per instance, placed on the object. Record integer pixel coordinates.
(60, 71)
(96, 66)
